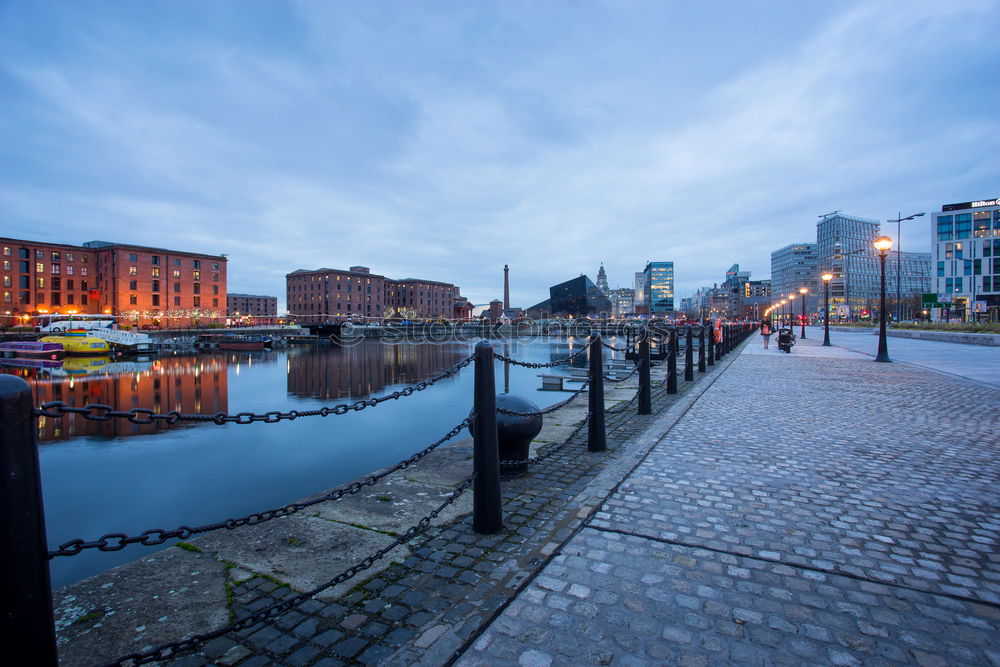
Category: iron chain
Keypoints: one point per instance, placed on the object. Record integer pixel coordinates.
(171, 649)
(545, 411)
(552, 452)
(529, 364)
(157, 536)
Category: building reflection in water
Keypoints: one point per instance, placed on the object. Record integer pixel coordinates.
(367, 368)
(188, 384)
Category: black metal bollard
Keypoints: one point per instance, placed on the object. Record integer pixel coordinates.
(672, 361)
(26, 600)
(486, 517)
(701, 349)
(645, 391)
(689, 355)
(596, 435)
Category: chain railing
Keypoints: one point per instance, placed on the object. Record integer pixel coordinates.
(529, 364)
(31, 600)
(171, 649)
(158, 536)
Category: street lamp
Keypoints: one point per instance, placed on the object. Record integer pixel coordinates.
(899, 259)
(827, 277)
(882, 244)
(803, 291)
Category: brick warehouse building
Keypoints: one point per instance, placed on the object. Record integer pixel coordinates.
(137, 284)
(252, 305)
(331, 295)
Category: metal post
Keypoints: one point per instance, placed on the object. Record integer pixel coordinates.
(26, 600)
(689, 355)
(701, 348)
(645, 397)
(486, 516)
(672, 361)
(802, 335)
(596, 436)
(710, 338)
(883, 346)
(826, 313)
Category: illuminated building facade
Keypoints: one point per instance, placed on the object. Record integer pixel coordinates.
(966, 242)
(137, 284)
(254, 305)
(658, 278)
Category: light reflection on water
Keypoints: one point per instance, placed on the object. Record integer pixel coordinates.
(104, 477)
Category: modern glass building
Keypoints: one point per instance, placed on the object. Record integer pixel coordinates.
(659, 293)
(966, 242)
(792, 268)
(577, 297)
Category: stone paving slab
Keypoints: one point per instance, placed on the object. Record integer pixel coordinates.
(619, 599)
(808, 509)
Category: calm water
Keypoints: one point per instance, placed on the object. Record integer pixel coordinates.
(103, 477)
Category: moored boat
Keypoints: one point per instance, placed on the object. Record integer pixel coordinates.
(77, 341)
(232, 342)
(31, 348)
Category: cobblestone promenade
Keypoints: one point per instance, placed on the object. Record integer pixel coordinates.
(811, 508)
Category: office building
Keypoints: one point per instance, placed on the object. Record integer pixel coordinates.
(966, 242)
(639, 298)
(137, 284)
(792, 268)
(658, 279)
(622, 302)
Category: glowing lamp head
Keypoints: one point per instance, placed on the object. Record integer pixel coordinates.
(827, 277)
(803, 290)
(883, 243)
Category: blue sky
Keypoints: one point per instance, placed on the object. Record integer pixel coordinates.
(445, 139)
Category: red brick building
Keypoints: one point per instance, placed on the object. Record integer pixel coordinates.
(137, 284)
(253, 305)
(333, 295)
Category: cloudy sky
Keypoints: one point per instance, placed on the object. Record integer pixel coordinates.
(444, 139)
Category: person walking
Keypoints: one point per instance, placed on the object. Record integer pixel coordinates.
(765, 331)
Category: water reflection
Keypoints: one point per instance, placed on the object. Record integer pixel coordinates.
(190, 384)
(362, 370)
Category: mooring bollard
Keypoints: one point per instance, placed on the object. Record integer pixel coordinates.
(28, 622)
(689, 355)
(645, 394)
(486, 516)
(701, 349)
(672, 361)
(596, 436)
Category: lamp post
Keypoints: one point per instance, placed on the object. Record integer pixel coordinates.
(791, 313)
(803, 291)
(882, 244)
(899, 259)
(827, 277)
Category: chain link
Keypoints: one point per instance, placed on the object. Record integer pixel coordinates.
(552, 452)
(622, 379)
(528, 364)
(548, 410)
(103, 413)
(171, 649)
(158, 536)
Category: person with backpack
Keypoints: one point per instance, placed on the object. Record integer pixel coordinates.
(765, 331)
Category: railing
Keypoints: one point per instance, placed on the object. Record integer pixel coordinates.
(27, 599)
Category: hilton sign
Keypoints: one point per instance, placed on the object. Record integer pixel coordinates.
(971, 204)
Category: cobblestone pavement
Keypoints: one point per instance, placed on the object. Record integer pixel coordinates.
(426, 608)
(808, 509)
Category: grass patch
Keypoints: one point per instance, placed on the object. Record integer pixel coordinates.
(384, 499)
(87, 618)
(293, 541)
(187, 546)
(368, 528)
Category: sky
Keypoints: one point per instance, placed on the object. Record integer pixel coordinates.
(442, 140)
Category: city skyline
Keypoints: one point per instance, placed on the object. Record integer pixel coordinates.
(448, 140)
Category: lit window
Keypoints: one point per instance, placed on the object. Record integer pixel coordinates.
(133, 270)
(39, 268)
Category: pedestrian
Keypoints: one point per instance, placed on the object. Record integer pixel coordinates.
(765, 331)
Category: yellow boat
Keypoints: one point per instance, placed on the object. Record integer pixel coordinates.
(85, 365)
(76, 341)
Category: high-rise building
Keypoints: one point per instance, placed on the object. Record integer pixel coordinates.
(622, 301)
(658, 277)
(792, 268)
(966, 242)
(639, 299)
